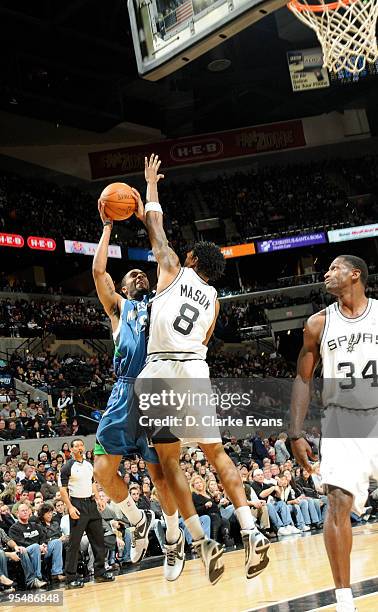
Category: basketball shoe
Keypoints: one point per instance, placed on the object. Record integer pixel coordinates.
(139, 536)
(211, 554)
(174, 558)
(256, 547)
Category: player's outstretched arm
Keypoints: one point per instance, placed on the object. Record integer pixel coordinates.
(168, 262)
(307, 361)
(105, 288)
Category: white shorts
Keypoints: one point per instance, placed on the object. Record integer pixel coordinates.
(349, 462)
(202, 415)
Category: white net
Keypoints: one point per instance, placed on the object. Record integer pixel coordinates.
(346, 31)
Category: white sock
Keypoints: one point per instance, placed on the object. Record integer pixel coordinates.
(344, 596)
(130, 510)
(245, 518)
(195, 528)
(173, 533)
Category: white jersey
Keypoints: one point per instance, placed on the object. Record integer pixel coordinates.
(349, 350)
(180, 318)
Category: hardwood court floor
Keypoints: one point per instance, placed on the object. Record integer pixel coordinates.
(298, 579)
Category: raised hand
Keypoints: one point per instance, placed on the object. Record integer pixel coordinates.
(101, 210)
(151, 169)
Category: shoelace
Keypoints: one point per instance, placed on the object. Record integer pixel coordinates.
(171, 555)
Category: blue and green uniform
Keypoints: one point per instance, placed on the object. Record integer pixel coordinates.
(119, 431)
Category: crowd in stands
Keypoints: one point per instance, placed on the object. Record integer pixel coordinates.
(260, 202)
(284, 499)
(292, 197)
(48, 372)
(77, 319)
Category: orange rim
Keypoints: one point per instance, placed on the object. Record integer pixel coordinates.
(318, 8)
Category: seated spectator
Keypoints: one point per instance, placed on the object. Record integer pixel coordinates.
(53, 537)
(32, 537)
(279, 513)
(8, 496)
(59, 510)
(41, 472)
(233, 449)
(258, 506)
(48, 430)
(16, 554)
(270, 449)
(50, 487)
(7, 477)
(307, 485)
(65, 450)
(31, 481)
(23, 534)
(203, 504)
(295, 502)
(6, 517)
(134, 474)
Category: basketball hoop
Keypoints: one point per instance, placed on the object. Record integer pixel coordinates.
(345, 29)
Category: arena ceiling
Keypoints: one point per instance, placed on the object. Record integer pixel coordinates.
(73, 64)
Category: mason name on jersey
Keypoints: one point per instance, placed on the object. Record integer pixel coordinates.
(196, 295)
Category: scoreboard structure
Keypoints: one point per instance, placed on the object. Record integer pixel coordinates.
(167, 34)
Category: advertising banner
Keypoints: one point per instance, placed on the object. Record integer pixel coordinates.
(41, 244)
(11, 240)
(290, 242)
(137, 254)
(306, 69)
(199, 149)
(6, 379)
(238, 250)
(353, 233)
(89, 248)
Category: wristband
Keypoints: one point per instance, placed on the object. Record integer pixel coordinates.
(153, 206)
(108, 223)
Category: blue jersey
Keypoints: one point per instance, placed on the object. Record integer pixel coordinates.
(130, 338)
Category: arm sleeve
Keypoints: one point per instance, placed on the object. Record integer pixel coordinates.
(65, 474)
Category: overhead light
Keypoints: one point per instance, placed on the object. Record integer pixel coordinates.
(219, 65)
(12, 100)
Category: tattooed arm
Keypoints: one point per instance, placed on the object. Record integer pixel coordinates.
(106, 292)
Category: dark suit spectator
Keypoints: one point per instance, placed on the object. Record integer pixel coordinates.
(259, 452)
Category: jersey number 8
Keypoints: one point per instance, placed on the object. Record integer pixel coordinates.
(185, 321)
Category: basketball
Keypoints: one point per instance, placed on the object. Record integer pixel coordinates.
(120, 201)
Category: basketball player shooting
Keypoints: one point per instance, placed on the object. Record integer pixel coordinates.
(183, 317)
(119, 432)
(344, 336)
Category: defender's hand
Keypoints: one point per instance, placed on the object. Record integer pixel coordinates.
(151, 169)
